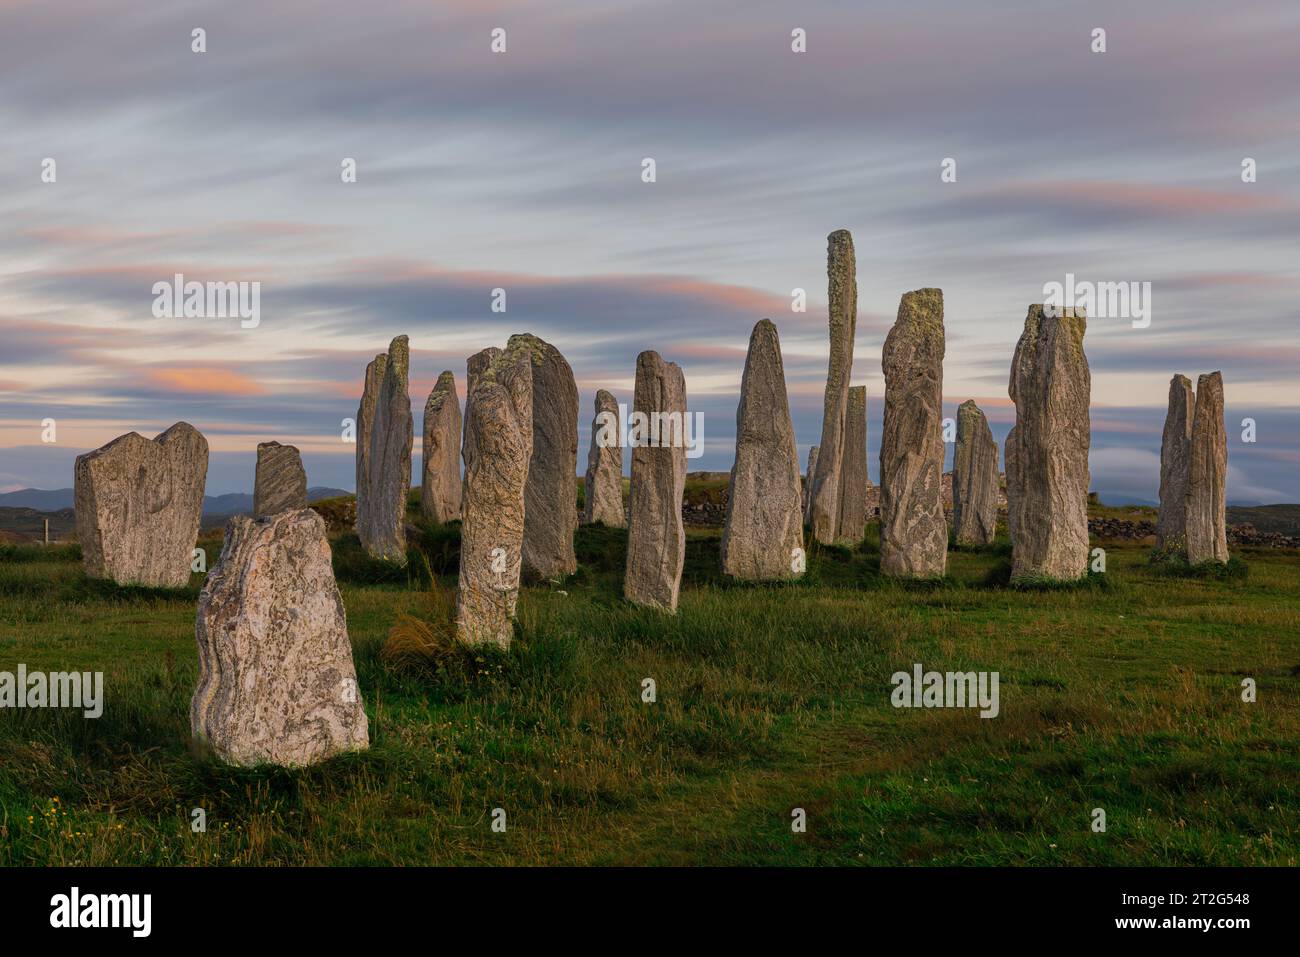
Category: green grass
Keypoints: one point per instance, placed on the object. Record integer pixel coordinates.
(1122, 694)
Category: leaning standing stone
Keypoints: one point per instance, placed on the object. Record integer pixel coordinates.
(138, 505)
(852, 524)
(763, 537)
(498, 445)
(1207, 539)
(1047, 471)
(1175, 461)
(974, 478)
(280, 484)
(382, 529)
(603, 492)
(276, 680)
(365, 419)
(440, 481)
(656, 545)
(550, 502)
(842, 292)
(913, 529)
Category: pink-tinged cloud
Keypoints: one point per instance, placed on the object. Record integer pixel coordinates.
(205, 380)
(1146, 199)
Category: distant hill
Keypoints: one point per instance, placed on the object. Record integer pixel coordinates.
(234, 503)
(1284, 519)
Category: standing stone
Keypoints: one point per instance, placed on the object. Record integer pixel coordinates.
(603, 495)
(852, 524)
(551, 499)
(1207, 539)
(807, 483)
(913, 528)
(498, 445)
(974, 478)
(763, 537)
(276, 680)
(365, 420)
(842, 295)
(138, 504)
(280, 484)
(440, 481)
(1011, 465)
(382, 529)
(1047, 452)
(656, 541)
(1175, 462)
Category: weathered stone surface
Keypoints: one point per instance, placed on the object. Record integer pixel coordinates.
(603, 495)
(852, 524)
(550, 501)
(280, 484)
(476, 363)
(276, 680)
(656, 546)
(382, 525)
(913, 528)
(1047, 451)
(1011, 468)
(1175, 462)
(807, 483)
(365, 419)
(763, 537)
(440, 468)
(138, 504)
(498, 446)
(975, 478)
(842, 292)
(1207, 539)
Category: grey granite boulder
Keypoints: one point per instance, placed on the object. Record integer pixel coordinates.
(763, 535)
(656, 546)
(440, 483)
(280, 484)
(603, 491)
(913, 528)
(137, 505)
(277, 683)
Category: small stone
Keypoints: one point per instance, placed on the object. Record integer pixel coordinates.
(852, 524)
(974, 479)
(280, 484)
(603, 495)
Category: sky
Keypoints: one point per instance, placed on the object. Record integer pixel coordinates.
(523, 170)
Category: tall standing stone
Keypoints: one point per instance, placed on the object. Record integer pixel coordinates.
(280, 484)
(382, 528)
(1047, 452)
(1175, 462)
(277, 684)
(1011, 465)
(498, 446)
(138, 504)
(842, 295)
(1207, 539)
(763, 537)
(807, 483)
(603, 491)
(551, 499)
(974, 478)
(852, 524)
(913, 528)
(365, 419)
(656, 542)
(440, 483)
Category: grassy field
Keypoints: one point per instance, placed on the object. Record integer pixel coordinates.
(1123, 694)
